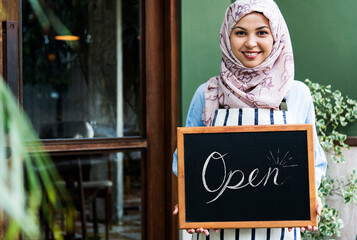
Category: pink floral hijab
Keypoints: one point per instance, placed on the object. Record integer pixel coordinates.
(263, 86)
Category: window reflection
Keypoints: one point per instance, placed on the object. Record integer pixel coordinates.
(112, 186)
(81, 71)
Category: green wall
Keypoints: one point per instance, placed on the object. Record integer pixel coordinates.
(323, 34)
(324, 38)
(200, 52)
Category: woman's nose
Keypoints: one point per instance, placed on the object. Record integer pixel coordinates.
(251, 42)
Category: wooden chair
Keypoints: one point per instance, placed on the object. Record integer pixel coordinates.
(75, 172)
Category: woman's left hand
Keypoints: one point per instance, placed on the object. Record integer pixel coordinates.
(318, 211)
(308, 228)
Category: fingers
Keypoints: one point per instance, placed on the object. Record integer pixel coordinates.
(175, 212)
(190, 231)
(318, 205)
(309, 228)
(200, 230)
(319, 209)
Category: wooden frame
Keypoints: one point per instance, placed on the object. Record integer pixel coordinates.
(352, 141)
(187, 224)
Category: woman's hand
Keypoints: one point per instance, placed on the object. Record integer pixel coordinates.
(206, 232)
(175, 212)
(192, 230)
(318, 211)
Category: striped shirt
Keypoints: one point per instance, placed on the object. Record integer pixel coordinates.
(247, 234)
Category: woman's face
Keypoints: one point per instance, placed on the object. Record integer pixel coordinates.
(252, 40)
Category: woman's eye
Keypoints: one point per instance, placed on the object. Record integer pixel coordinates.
(263, 33)
(240, 33)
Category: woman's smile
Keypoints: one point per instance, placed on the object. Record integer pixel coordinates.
(251, 54)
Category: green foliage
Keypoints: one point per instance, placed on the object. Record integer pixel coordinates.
(329, 225)
(27, 176)
(333, 112)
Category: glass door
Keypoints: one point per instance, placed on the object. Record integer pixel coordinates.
(81, 80)
(98, 80)
(81, 68)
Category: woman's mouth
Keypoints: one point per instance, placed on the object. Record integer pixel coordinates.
(251, 55)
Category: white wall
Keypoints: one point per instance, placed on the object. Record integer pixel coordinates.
(348, 212)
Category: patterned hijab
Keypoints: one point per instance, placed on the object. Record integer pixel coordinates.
(263, 86)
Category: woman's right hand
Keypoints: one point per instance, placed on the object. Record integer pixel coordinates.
(192, 230)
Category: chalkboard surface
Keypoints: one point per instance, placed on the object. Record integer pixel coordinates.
(246, 176)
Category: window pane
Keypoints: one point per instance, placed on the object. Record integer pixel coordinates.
(117, 176)
(81, 73)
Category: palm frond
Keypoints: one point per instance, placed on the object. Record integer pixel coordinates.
(27, 175)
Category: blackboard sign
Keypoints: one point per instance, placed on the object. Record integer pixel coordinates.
(246, 176)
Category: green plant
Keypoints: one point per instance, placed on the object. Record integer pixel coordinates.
(333, 112)
(27, 176)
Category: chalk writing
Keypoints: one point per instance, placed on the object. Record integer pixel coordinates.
(254, 179)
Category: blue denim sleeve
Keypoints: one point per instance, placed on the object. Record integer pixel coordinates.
(300, 102)
(320, 157)
(194, 116)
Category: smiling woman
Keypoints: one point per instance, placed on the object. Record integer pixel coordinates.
(256, 72)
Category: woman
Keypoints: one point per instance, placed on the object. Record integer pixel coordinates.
(257, 71)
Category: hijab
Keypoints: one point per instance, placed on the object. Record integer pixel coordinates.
(263, 86)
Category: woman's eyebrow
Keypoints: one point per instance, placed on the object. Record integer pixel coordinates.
(259, 28)
(239, 27)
